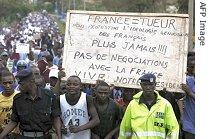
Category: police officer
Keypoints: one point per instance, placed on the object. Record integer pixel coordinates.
(34, 109)
(148, 115)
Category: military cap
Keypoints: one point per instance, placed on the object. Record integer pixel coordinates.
(149, 77)
(21, 75)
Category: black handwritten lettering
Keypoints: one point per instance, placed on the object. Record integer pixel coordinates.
(138, 60)
(168, 33)
(162, 49)
(82, 55)
(120, 70)
(90, 75)
(105, 34)
(141, 72)
(167, 85)
(124, 80)
(130, 36)
(138, 47)
(99, 43)
(101, 56)
(99, 67)
(154, 22)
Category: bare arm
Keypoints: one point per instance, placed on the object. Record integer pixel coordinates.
(9, 127)
(57, 126)
(113, 132)
(56, 88)
(187, 90)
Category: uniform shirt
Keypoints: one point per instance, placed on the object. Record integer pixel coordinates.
(5, 108)
(109, 119)
(37, 114)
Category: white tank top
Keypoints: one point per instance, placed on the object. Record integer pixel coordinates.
(75, 115)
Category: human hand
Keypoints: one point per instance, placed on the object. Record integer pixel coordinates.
(74, 129)
(187, 90)
(61, 74)
(108, 136)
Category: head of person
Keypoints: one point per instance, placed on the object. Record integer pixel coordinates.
(7, 81)
(59, 52)
(53, 75)
(21, 64)
(49, 58)
(102, 91)
(127, 94)
(4, 57)
(191, 65)
(44, 47)
(73, 85)
(63, 87)
(26, 80)
(148, 83)
(39, 80)
(60, 64)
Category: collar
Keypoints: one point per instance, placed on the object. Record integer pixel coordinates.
(138, 96)
(142, 100)
(39, 94)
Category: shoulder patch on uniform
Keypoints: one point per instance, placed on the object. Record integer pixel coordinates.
(48, 92)
(18, 95)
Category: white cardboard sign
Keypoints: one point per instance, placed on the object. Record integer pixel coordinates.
(22, 48)
(121, 47)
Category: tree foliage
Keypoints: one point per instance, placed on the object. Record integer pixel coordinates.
(14, 10)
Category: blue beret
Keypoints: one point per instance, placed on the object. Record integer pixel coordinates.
(23, 74)
(149, 77)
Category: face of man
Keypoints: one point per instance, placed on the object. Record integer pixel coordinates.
(7, 83)
(53, 81)
(191, 67)
(38, 78)
(102, 93)
(4, 59)
(25, 84)
(19, 68)
(148, 88)
(128, 94)
(73, 85)
(63, 86)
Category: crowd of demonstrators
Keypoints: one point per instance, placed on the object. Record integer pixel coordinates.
(34, 109)
(77, 113)
(37, 32)
(75, 109)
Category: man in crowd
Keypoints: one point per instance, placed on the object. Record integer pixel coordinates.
(78, 111)
(6, 98)
(34, 109)
(188, 119)
(148, 115)
(109, 113)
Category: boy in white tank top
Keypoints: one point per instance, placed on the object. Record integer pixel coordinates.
(78, 111)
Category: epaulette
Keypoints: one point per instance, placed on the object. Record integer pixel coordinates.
(48, 92)
(18, 95)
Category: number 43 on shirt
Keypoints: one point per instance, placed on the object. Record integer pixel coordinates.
(74, 122)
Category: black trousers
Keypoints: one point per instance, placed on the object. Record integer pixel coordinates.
(43, 137)
(188, 135)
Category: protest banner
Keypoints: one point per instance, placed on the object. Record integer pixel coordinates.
(22, 48)
(121, 47)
